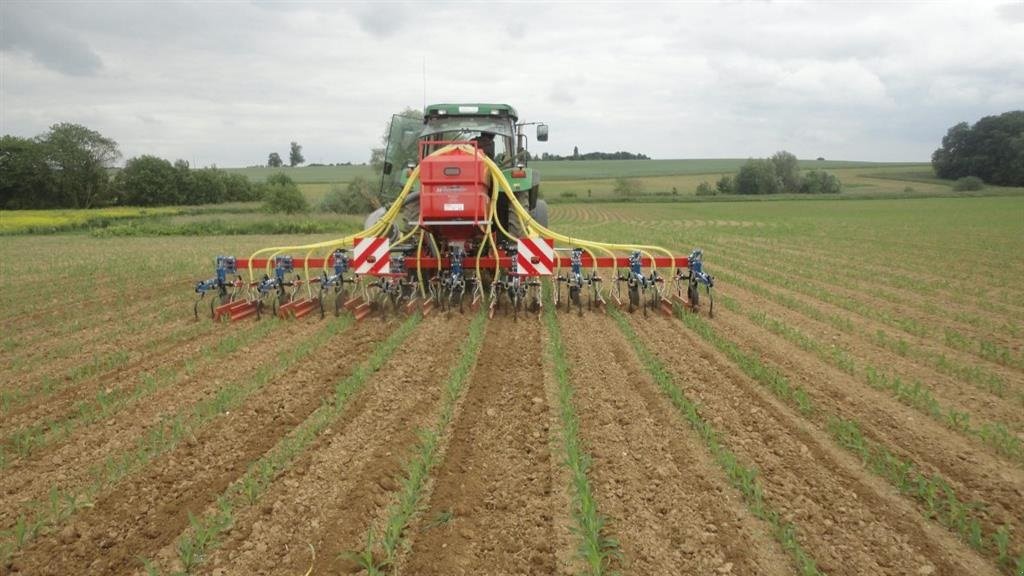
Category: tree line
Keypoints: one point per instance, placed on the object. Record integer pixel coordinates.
(595, 156)
(775, 175)
(992, 150)
(70, 166)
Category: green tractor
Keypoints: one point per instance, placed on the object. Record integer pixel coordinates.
(494, 128)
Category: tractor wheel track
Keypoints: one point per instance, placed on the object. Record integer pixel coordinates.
(496, 479)
(974, 471)
(345, 480)
(853, 522)
(147, 510)
(67, 464)
(668, 504)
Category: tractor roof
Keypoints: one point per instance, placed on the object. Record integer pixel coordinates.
(470, 109)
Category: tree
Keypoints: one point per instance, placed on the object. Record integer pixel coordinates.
(295, 155)
(705, 189)
(628, 187)
(758, 177)
(358, 197)
(274, 160)
(724, 184)
(80, 158)
(992, 149)
(820, 182)
(280, 194)
(575, 152)
(26, 179)
(787, 168)
(148, 181)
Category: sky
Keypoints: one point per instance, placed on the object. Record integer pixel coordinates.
(226, 83)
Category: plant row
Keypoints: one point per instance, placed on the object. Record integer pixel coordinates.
(158, 440)
(964, 519)
(205, 531)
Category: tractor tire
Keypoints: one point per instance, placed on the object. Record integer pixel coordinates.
(693, 295)
(634, 298)
(540, 213)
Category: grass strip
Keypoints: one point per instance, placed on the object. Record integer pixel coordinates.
(380, 552)
(104, 403)
(204, 532)
(963, 519)
(914, 394)
(741, 476)
(158, 440)
(598, 550)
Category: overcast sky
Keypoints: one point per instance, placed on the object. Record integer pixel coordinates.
(227, 83)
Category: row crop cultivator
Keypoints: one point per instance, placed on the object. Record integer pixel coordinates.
(457, 236)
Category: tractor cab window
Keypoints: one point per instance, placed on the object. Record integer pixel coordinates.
(466, 129)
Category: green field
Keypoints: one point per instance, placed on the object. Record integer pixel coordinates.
(584, 180)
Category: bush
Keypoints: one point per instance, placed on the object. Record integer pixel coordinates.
(758, 177)
(968, 183)
(787, 169)
(820, 182)
(355, 198)
(705, 189)
(568, 194)
(281, 194)
(725, 184)
(628, 187)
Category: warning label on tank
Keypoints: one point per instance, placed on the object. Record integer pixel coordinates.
(454, 207)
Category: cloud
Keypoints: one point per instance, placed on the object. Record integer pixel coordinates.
(228, 83)
(1012, 12)
(60, 50)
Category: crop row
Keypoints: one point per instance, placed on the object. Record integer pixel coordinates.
(960, 517)
(978, 376)
(205, 531)
(158, 440)
(107, 402)
(913, 394)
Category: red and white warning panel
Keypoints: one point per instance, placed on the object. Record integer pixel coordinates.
(535, 256)
(370, 255)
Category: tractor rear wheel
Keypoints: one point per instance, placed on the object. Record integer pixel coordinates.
(634, 297)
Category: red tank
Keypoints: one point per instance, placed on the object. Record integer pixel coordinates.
(454, 193)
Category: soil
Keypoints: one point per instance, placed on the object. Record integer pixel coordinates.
(849, 521)
(668, 504)
(496, 482)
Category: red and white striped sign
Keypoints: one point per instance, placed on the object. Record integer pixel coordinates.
(536, 256)
(370, 255)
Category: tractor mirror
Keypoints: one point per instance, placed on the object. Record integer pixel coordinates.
(387, 168)
(542, 132)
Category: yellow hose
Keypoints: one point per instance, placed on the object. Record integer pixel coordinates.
(500, 185)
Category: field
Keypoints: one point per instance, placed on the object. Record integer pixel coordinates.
(855, 406)
(663, 180)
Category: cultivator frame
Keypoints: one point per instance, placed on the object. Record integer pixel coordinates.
(450, 255)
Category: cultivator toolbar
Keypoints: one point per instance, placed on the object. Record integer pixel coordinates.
(458, 254)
